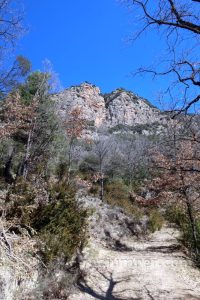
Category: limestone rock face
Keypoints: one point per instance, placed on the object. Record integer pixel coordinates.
(128, 109)
(119, 107)
(86, 97)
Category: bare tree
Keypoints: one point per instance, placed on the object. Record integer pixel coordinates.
(135, 157)
(177, 158)
(178, 24)
(11, 76)
(101, 149)
(11, 22)
(11, 29)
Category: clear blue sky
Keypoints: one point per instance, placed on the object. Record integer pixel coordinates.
(86, 41)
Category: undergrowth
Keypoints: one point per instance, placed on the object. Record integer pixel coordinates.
(177, 215)
(156, 220)
(117, 194)
(60, 223)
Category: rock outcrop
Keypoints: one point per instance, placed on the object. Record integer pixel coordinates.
(88, 98)
(126, 108)
(120, 107)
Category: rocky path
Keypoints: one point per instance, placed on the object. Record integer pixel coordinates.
(155, 268)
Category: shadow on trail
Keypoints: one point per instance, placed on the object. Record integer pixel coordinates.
(104, 295)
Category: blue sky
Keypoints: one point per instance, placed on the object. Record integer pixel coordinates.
(87, 41)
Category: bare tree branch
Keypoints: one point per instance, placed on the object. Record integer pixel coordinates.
(180, 22)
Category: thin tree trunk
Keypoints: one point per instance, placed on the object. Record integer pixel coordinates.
(7, 171)
(102, 187)
(26, 158)
(25, 165)
(101, 181)
(192, 221)
(192, 225)
(69, 162)
(130, 183)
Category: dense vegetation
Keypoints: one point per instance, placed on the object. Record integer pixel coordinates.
(34, 200)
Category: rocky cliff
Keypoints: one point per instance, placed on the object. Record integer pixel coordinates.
(120, 107)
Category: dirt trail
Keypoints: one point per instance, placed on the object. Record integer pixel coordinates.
(149, 269)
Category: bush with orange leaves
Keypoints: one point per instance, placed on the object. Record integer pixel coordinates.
(178, 166)
(15, 115)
